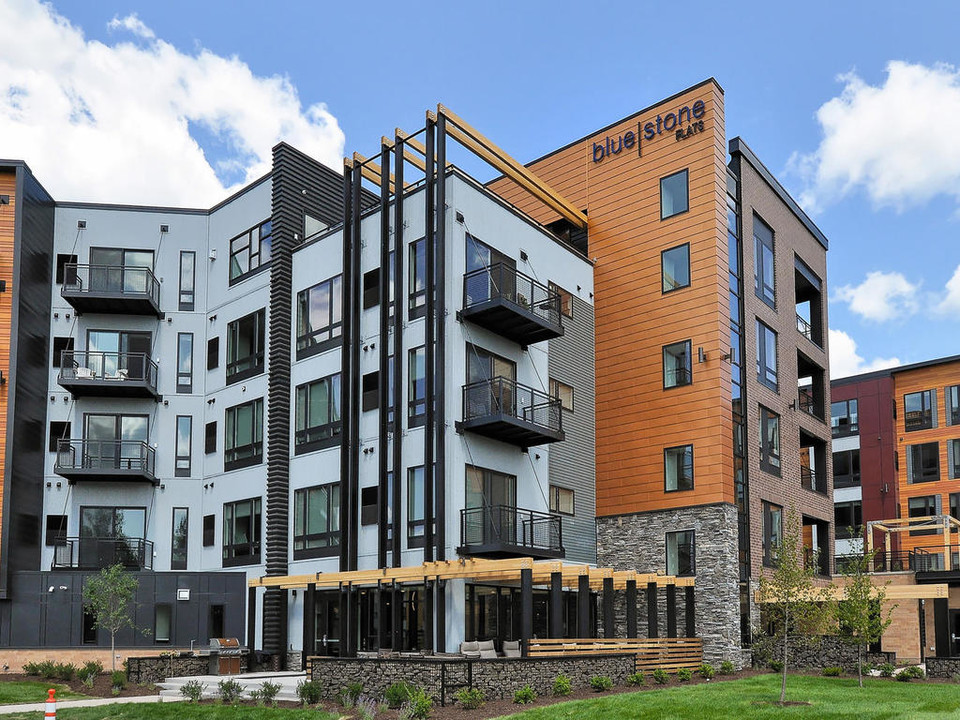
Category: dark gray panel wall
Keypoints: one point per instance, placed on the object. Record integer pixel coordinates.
(572, 462)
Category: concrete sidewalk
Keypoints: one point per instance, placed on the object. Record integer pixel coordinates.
(92, 702)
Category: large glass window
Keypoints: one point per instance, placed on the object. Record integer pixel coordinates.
(953, 458)
(675, 267)
(179, 538)
(677, 367)
(766, 356)
(769, 441)
(184, 362)
(920, 410)
(843, 418)
(120, 270)
(162, 623)
(319, 317)
(846, 468)
(116, 441)
(241, 532)
(316, 521)
(245, 346)
(243, 441)
(681, 555)
(415, 512)
(847, 519)
(951, 396)
(678, 468)
(250, 250)
(923, 462)
(123, 355)
(763, 263)
(318, 415)
(561, 500)
(674, 195)
(184, 446)
(417, 388)
(417, 279)
(922, 507)
(563, 392)
(772, 532)
(188, 279)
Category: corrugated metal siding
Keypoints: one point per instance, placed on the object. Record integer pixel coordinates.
(572, 462)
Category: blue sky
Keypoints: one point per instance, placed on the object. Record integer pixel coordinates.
(878, 167)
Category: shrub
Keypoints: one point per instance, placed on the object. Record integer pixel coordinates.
(397, 694)
(684, 674)
(727, 668)
(88, 680)
(706, 671)
(562, 686)
(776, 666)
(524, 695)
(309, 692)
(266, 694)
(635, 679)
(833, 671)
(417, 707)
(348, 695)
(904, 676)
(64, 671)
(193, 690)
(229, 691)
(886, 669)
(868, 667)
(660, 676)
(912, 671)
(94, 667)
(470, 698)
(47, 669)
(601, 683)
(367, 707)
(118, 679)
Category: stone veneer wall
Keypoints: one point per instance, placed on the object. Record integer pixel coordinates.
(158, 669)
(815, 653)
(638, 542)
(498, 678)
(940, 667)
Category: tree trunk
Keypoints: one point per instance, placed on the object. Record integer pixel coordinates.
(786, 643)
(860, 664)
(113, 653)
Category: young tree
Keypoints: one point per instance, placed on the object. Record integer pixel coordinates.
(791, 598)
(861, 617)
(110, 596)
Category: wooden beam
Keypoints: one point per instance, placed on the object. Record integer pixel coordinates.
(372, 172)
(893, 592)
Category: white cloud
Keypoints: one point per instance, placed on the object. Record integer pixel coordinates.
(881, 296)
(113, 122)
(897, 140)
(844, 360)
(950, 303)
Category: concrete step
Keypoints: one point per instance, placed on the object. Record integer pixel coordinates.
(171, 687)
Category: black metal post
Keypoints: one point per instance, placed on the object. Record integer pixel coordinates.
(941, 626)
(441, 300)
(671, 611)
(382, 596)
(556, 605)
(526, 609)
(384, 401)
(583, 607)
(309, 623)
(346, 407)
(428, 617)
(430, 356)
(690, 611)
(441, 643)
(251, 617)
(356, 299)
(396, 626)
(399, 312)
(608, 620)
(632, 609)
(653, 627)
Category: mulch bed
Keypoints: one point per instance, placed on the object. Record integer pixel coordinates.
(102, 687)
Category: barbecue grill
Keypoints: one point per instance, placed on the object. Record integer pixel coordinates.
(226, 656)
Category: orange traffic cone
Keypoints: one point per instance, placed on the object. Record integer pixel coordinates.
(51, 705)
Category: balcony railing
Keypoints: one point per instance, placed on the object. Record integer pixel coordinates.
(110, 460)
(916, 560)
(511, 304)
(816, 559)
(804, 327)
(503, 530)
(108, 374)
(506, 410)
(114, 289)
(810, 480)
(98, 553)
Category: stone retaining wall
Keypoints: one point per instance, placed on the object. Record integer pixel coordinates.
(498, 678)
(818, 653)
(943, 667)
(158, 669)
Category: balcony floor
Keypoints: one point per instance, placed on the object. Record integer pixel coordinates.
(510, 429)
(499, 550)
(511, 321)
(112, 303)
(109, 388)
(111, 475)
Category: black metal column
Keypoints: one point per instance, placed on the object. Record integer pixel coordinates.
(356, 392)
(441, 254)
(690, 611)
(941, 626)
(556, 605)
(309, 623)
(608, 619)
(583, 607)
(399, 313)
(441, 644)
(251, 617)
(429, 351)
(427, 616)
(382, 596)
(396, 625)
(632, 609)
(346, 407)
(526, 609)
(653, 626)
(383, 464)
(671, 611)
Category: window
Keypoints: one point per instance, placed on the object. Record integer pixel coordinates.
(119, 270)
(846, 468)
(58, 431)
(210, 437)
(848, 519)
(117, 523)
(89, 626)
(316, 521)
(371, 288)
(184, 446)
(843, 418)
(178, 539)
(213, 353)
(62, 262)
(369, 505)
(953, 458)
(250, 251)
(677, 368)
(921, 507)
(561, 500)
(417, 279)
(120, 442)
(955, 506)
(113, 355)
(209, 530)
(188, 279)
(370, 399)
(681, 556)
(675, 268)
(56, 534)
(766, 356)
(772, 532)
(563, 392)
(952, 397)
(62, 345)
(241, 532)
(920, 410)
(415, 519)
(417, 388)
(566, 299)
(763, 265)
(674, 195)
(184, 362)
(312, 225)
(923, 462)
(245, 346)
(161, 623)
(243, 439)
(318, 415)
(769, 441)
(678, 468)
(319, 317)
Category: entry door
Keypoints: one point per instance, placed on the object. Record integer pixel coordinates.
(483, 366)
(497, 493)
(110, 352)
(498, 281)
(102, 432)
(327, 611)
(955, 633)
(118, 270)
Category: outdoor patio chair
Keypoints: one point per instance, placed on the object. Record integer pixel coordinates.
(487, 649)
(511, 648)
(470, 649)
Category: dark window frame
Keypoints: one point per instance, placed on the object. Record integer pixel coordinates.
(851, 427)
(184, 372)
(683, 376)
(554, 500)
(851, 514)
(59, 430)
(63, 259)
(307, 437)
(61, 344)
(253, 545)
(416, 402)
(239, 367)
(188, 290)
(156, 619)
(210, 437)
(209, 530)
(310, 340)
(55, 530)
(686, 184)
(566, 299)
(771, 541)
(178, 555)
(664, 289)
(771, 458)
(682, 483)
(764, 369)
(416, 526)
(951, 402)
(851, 479)
(925, 473)
(213, 353)
(244, 454)
(369, 505)
(930, 507)
(328, 539)
(416, 295)
(255, 261)
(928, 411)
(762, 245)
(183, 461)
(556, 386)
(690, 568)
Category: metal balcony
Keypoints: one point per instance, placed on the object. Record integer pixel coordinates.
(505, 410)
(106, 460)
(810, 480)
(108, 374)
(112, 289)
(511, 304)
(505, 531)
(98, 553)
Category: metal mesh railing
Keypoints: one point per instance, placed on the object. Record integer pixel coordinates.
(116, 280)
(108, 455)
(503, 281)
(507, 525)
(500, 395)
(97, 553)
(109, 366)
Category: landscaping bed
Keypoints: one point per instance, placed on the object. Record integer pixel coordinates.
(102, 686)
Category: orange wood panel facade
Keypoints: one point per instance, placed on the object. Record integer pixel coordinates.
(8, 183)
(937, 378)
(636, 418)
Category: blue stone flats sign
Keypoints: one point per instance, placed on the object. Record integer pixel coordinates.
(686, 121)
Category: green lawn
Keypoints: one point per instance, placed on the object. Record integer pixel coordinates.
(177, 711)
(28, 691)
(743, 699)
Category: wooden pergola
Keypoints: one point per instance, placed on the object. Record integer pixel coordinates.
(944, 523)
(524, 571)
